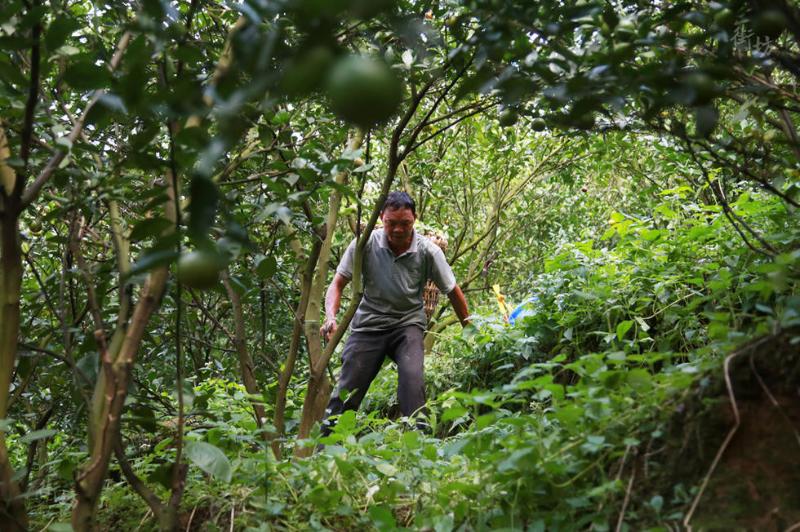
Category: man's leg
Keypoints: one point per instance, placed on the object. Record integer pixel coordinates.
(407, 351)
(362, 357)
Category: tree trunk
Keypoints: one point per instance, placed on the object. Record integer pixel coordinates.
(112, 389)
(13, 507)
(432, 334)
(318, 381)
(246, 365)
(294, 346)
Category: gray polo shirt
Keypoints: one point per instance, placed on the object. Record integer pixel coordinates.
(393, 286)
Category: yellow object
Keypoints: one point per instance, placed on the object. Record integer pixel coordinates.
(8, 177)
(501, 301)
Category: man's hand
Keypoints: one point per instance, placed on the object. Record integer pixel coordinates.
(328, 329)
(332, 298)
(459, 303)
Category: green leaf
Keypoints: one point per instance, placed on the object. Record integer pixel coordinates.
(453, 412)
(639, 379)
(706, 118)
(10, 73)
(84, 75)
(266, 267)
(346, 422)
(203, 206)
(37, 435)
(656, 503)
(89, 365)
(381, 516)
(149, 228)
(210, 459)
(623, 327)
(569, 415)
(387, 469)
(162, 475)
(153, 259)
(144, 417)
(60, 527)
(411, 440)
(59, 31)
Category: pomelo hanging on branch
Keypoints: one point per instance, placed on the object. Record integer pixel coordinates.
(363, 91)
(538, 124)
(507, 117)
(200, 269)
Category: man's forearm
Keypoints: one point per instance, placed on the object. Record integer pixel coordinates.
(459, 303)
(333, 298)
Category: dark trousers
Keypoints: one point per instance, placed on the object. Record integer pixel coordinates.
(363, 355)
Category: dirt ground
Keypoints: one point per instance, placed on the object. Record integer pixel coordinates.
(756, 483)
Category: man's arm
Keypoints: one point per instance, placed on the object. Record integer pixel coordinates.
(459, 302)
(333, 298)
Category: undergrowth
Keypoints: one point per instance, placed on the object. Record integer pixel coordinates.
(533, 426)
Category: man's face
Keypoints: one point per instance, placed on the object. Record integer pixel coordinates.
(398, 224)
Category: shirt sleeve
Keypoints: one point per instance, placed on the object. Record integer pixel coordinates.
(345, 268)
(441, 273)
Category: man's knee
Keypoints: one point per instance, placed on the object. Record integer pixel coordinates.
(410, 353)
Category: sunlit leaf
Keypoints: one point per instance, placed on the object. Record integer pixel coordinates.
(210, 459)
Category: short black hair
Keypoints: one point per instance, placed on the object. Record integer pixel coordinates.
(399, 200)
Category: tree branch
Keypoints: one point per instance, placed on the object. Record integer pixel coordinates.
(30, 105)
(44, 176)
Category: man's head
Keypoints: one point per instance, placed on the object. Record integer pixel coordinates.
(398, 215)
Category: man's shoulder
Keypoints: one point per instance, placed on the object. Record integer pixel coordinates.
(374, 236)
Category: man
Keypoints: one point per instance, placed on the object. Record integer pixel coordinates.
(390, 320)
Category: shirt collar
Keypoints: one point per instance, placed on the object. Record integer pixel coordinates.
(382, 242)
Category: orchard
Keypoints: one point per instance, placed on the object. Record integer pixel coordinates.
(615, 186)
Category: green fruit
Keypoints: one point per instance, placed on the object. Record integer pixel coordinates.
(770, 23)
(363, 91)
(703, 86)
(199, 269)
(508, 117)
(622, 50)
(538, 124)
(35, 226)
(306, 72)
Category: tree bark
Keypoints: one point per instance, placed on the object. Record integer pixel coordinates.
(13, 507)
(246, 364)
(294, 347)
(112, 388)
(318, 382)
